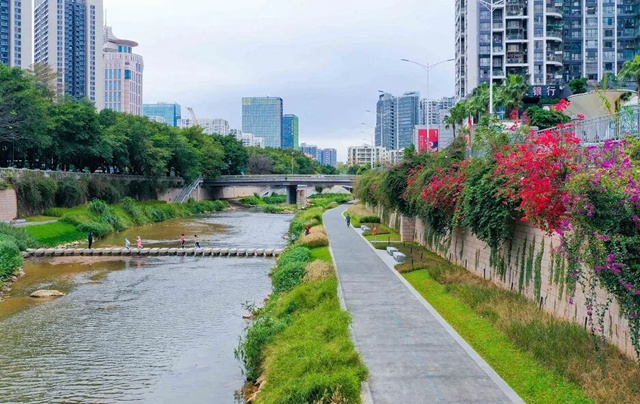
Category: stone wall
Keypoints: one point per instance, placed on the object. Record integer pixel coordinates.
(529, 264)
(8, 205)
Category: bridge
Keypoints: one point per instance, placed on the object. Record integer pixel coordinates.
(294, 183)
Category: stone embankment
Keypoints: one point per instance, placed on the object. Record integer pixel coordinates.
(191, 252)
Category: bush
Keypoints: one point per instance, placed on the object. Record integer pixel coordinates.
(370, 219)
(317, 238)
(250, 349)
(251, 201)
(19, 236)
(71, 192)
(108, 191)
(318, 270)
(35, 194)
(134, 211)
(10, 256)
(288, 276)
(297, 254)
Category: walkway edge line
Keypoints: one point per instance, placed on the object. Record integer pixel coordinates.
(365, 391)
(454, 334)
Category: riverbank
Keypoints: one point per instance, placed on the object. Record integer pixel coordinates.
(74, 224)
(543, 358)
(299, 348)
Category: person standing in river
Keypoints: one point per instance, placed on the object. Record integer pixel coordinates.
(90, 239)
(182, 240)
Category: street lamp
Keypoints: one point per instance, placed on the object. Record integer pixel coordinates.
(491, 5)
(427, 68)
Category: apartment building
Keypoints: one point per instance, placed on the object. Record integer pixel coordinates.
(16, 33)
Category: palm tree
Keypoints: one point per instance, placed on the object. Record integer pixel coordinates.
(456, 117)
(512, 92)
(631, 71)
(478, 104)
(449, 122)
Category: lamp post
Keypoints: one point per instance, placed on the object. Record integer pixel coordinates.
(491, 5)
(427, 68)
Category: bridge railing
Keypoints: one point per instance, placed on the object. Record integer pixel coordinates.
(283, 177)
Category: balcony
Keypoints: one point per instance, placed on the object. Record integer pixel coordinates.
(554, 11)
(552, 58)
(498, 26)
(554, 34)
(517, 60)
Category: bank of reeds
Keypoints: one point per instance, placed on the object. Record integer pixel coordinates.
(545, 359)
(300, 342)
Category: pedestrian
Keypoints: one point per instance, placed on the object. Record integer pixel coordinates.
(182, 240)
(139, 242)
(293, 238)
(196, 241)
(348, 220)
(307, 230)
(127, 243)
(90, 239)
(375, 230)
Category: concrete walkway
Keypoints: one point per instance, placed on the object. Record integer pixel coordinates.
(412, 354)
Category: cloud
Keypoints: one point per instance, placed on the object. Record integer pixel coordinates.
(326, 59)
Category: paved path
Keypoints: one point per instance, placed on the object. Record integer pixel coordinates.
(412, 354)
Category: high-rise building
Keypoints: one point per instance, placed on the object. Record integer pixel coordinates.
(262, 116)
(290, 131)
(69, 38)
(386, 127)
(123, 71)
(328, 157)
(550, 42)
(220, 127)
(16, 41)
(431, 110)
(396, 119)
(209, 126)
(169, 112)
(247, 139)
(310, 150)
(408, 116)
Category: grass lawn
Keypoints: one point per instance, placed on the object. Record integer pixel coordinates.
(321, 253)
(36, 219)
(54, 234)
(383, 233)
(532, 381)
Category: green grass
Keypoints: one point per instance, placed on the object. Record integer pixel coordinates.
(321, 253)
(54, 234)
(36, 219)
(384, 233)
(532, 381)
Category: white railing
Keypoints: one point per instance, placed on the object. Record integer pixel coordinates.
(188, 190)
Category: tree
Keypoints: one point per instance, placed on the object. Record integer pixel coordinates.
(544, 119)
(235, 154)
(578, 86)
(512, 92)
(259, 164)
(631, 71)
(457, 114)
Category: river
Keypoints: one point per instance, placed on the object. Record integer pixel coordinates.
(149, 329)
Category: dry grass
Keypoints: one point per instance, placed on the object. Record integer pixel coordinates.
(360, 209)
(606, 376)
(317, 238)
(318, 270)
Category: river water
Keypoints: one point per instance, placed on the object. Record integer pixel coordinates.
(151, 329)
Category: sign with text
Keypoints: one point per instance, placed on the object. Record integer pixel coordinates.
(544, 91)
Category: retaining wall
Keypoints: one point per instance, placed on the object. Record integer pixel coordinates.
(8, 205)
(529, 260)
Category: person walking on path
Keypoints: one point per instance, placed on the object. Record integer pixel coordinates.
(90, 239)
(182, 240)
(127, 243)
(139, 242)
(196, 241)
(348, 220)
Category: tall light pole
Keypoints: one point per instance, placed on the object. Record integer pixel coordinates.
(427, 68)
(491, 5)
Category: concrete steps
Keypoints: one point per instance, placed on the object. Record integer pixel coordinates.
(186, 252)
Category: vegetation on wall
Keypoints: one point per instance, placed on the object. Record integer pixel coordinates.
(588, 195)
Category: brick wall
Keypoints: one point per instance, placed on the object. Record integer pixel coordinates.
(8, 205)
(464, 249)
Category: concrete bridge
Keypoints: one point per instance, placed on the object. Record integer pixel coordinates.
(295, 184)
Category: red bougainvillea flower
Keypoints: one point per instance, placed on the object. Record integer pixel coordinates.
(562, 105)
(535, 173)
(580, 116)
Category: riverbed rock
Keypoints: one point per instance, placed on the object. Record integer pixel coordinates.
(46, 293)
(248, 316)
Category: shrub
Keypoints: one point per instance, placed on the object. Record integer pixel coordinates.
(71, 192)
(251, 347)
(35, 194)
(20, 237)
(134, 211)
(109, 191)
(10, 256)
(297, 254)
(251, 201)
(288, 276)
(370, 219)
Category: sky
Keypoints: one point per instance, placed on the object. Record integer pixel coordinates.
(327, 59)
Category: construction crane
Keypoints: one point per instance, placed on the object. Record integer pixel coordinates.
(193, 116)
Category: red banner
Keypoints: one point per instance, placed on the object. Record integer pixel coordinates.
(428, 141)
